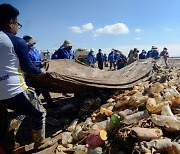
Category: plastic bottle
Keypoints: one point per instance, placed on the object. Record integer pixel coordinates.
(105, 111)
(170, 123)
(166, 110)
(96, 138)
(101, 125)
(72, 125)
(66, 137)
(80, 149)
(156, 88)
(113, 124)
(97, 150)
(115, 119)
(133, 118)
(87, 124)
(177, 99)
(77, 134)
(154, 107)
(125, 112)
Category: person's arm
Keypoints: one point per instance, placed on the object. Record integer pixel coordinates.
(89, 59)
(167, 54)
(54, 55)
(108, 57)
(21, 50)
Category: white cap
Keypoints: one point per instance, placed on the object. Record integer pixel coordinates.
(67, 43)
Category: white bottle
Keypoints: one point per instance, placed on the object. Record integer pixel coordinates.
(133, 118)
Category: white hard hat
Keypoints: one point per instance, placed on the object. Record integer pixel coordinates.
(91, 49)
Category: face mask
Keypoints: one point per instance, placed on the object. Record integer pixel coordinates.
(69, 48)
(32, 47)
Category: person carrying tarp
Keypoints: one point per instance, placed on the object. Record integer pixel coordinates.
(165, 54)
(133, 56)
(142, 55)
(105, 61)
(36, 60)
(91, 58)
(100, 59)
(64, 52)
(14, 60)
(153, 53)
(120, 59)
(111, 59)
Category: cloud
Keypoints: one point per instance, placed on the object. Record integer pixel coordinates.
(137, 39)
(76, 29)
(87, 27)
(138, 30)
(118, 28)
(83, 28)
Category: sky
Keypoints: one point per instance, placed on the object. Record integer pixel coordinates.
(101, 24)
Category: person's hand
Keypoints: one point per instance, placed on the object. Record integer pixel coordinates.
(45, 63)
(43, 71)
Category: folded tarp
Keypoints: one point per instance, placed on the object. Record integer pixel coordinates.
(72, 76)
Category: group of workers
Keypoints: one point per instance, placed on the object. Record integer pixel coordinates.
(115, 58)
(118, 60)
(19, 56)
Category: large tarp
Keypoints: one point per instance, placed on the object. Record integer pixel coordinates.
(72, 76)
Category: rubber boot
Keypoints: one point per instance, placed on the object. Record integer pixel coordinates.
(40, 142)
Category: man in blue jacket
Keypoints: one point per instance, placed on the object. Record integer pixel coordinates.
(100, 59)
(111, 59)
(91, 58)
(153, 53)
(64, 52)
(14, 60)
(36, 60)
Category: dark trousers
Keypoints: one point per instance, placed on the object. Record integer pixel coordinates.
(120, 64)
(27, 103)
(46, 95)
(112, 64)
(100, 65)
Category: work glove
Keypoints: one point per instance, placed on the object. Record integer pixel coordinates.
(45, 63)
(43, 71)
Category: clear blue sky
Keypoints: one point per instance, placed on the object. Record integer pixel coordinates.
(105, 24)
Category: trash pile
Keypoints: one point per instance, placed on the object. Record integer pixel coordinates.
(145, 119)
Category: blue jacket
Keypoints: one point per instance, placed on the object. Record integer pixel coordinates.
(117, 56)
(91, 58)
(63, 53)
(152, 54)
(120, 58)
(100, 57)
(105, 57)
(142, 56)
(111, 57)
(35, 57)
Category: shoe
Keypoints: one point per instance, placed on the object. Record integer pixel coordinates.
(40, 142)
